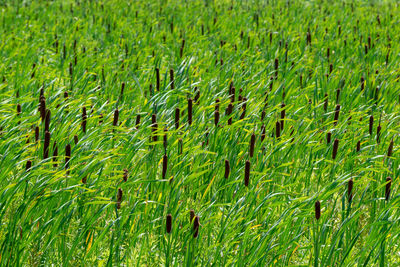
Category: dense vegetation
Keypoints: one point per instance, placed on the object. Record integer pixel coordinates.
(196, 132)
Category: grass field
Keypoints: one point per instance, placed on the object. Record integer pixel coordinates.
(199, 133)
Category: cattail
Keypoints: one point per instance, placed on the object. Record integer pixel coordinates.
(247, 173)
(164, 167)
(335, 148)
(119, 198)
(326, 102)
(227, 169)
(192, 215)
(36, 133)
(216, 118)
(158, 79)
(84, 180)
(76, 139)
(229, 112)
(252, 143)
(337, 95)
(262, 132)
(232, 94)
(362, 83)
(116, 115)
(358, 146)
(46, 145)
(19, 110)
(137, 121)
(263, 115)
(125, 177)
(378, 133)
(276, 68)
(308, 38)
(47, 120)
(55, 154)
(330, 68)
(122, 88)
(350, 190)
(283, 114)
(165, 138)
(28, 165)
(278, 129)
(217, 104)
(182, 47)
(42, 108)
(180, 146)
(190, 111)
(336, 118)
(196, 226)
(169, 223)
(67, 155)
(328, 52)
(171, 77)
(390, 149)
(84, 117)
(387, 189)
(177, 114)
(317, 210)
(197, 95)
(328, 137)
(371, 124)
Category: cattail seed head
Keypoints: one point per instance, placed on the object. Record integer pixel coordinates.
(122, 89)
(19, 110)
(42, 108)
(169, 223)
(67, 155)
(46, 145)
(371, 124)
(335, 148)
(216, 118)
(328, 137)
(36, 134)
(244, 105)
(227, 169)
(362, 81)
(252, 143)
(125, 177)
(164, 168)
(262, 132)
(190, 111)
(247, 173)
(317, 210)
(158, 79)
(350, 190)
(76, 139)
(337, 111)
(119, 198)
(358, 146)
(387, 188)
(28, 165)
(47, 120)
(337, 95)
(84, 117)
(196, 226)
(116, 115)
(177, 114)
(229, 112)
(390, 149)
(137, 121)
(278, 129)
(171, 77)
